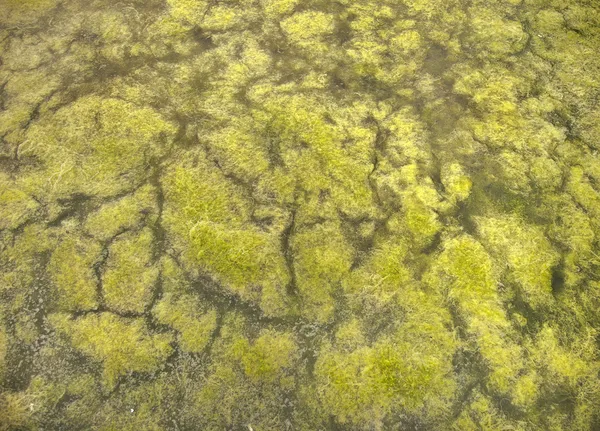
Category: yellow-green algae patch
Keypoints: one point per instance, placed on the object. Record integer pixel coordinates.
(71, 271)
(185, 315)
(130, 276)
(120, 345)
(287, 215)
(96, 147)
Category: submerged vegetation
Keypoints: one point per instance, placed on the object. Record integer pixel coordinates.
(300, 215)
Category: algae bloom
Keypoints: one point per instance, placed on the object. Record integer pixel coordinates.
(262, 215)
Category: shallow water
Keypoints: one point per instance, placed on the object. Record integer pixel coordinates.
(285, 215)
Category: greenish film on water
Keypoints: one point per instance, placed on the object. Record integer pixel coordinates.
(300, 215)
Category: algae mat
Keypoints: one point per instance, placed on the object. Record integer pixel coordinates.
(300, 215)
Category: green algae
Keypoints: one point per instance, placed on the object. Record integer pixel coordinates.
(124, 214)
(70, 269)
(185, 315)
(529, 256)
(129, 277)
(362, 385)
(120, 345)
(262, 372)
(113, 144)
(277, 215)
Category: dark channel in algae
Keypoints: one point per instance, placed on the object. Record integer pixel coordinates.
(300, 215)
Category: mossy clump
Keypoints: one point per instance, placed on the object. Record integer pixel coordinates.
(307, 134)
(188, 11)
(266, 357)
(570, 367)
(16, 206)
(184, 314)
(14, 411)
(457, 183)
(21, 259)
(136, 407)
(95, 146)
(465, 275)
(546, 174)
(3, 350)
(528, 253)
(575, 231)
(277, 8)
(221, 18)
(124, 214)
(129, 278)
(27, 12)
(24, 91)
(247, 376)
(420, 220)
(71, 269)
(218, 236)
(495, 36)
(580, 187)
(306, 29)
(121, 345)
(403, 371)
(482, 414)
(381, 278)
(321, 258)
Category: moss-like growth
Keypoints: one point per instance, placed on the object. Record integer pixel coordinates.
(266, 358)
(122, 215)
(529, 255)
(350, 336)
(482, 414)
(321, 258)
(24, 92)
(96, 147)
(381, 279)
(71, 269)
(545, 174)
(14, 411)
(3, 349)
(422, 222)
(456, 182)
(129, 279)
(570, 367)
(575, 231)
(276, 215)
(121, 345)
(582, 191)
(247, 377)
(276, 8)
(216, 233)
(303, 138)
(16, 12)
(186, 315)
(397, 373)
(464, 273)
(188, 11)
(16, 206)
(220, 18)
(495, 36)
(306, 29)
(21, 260)
(137, 407)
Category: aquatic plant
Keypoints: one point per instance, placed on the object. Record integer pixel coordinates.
(277, 215)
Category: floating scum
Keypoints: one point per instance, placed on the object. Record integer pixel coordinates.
(286, 215)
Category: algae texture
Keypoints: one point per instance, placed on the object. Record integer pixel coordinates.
(296, 215)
